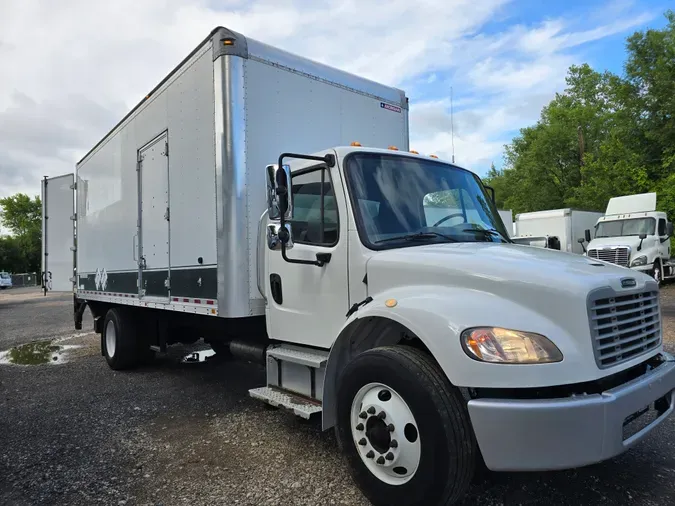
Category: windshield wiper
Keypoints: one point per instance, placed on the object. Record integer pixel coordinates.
(418, 236)
(490, 231)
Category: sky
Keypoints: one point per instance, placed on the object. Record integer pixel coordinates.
(71, 69)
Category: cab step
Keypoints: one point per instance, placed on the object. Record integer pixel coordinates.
(295, 377)
(299, 405)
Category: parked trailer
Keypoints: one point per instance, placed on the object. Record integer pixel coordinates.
(367, 305)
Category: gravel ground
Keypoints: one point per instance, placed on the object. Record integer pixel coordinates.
(174, 433)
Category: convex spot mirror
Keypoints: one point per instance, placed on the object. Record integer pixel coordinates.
(279, 192)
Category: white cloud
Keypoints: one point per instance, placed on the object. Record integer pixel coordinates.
(72, 68)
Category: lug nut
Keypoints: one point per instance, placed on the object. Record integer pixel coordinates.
(370, 454)
(371, 410)
(390, 427)
(359, 426)
(363, 415)
(380, 460)
(393, 444)
(363, 441)
(382, 415)
(390, 456)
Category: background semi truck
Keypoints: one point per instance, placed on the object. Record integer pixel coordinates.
(632, 233)
(378, 287)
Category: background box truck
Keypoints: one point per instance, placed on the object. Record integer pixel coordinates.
(567, 225)
(378, 287)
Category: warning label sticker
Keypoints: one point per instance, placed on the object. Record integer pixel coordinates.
(389, 107)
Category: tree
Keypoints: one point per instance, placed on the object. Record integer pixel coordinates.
(604, 136)
(22, 215)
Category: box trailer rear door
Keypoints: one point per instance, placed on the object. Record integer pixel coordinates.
(58, 233)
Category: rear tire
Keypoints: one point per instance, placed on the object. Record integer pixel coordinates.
(120, 342)
(404, 429)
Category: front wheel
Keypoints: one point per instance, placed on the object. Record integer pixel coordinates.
(404, 429)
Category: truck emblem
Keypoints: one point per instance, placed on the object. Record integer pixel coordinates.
(628, 283)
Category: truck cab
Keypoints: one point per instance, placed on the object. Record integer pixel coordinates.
(440, 329)
(633, 234)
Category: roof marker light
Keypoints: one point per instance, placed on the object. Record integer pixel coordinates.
(393, 148)
(433, 156)
(355, 144)
(414, 152)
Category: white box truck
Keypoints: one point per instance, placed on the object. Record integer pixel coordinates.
(632, 233)
(561, 227)
(377, 286)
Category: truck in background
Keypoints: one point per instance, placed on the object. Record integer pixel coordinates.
(378, 287)
(507, 218)
(632, 233)
(555, 228)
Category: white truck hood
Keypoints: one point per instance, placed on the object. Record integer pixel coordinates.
(477, 264)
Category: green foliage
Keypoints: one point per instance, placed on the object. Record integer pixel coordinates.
(605, 136)
(20, 252)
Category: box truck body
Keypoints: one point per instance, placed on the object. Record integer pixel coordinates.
(188, 163)
(567, 225)
(378, 287)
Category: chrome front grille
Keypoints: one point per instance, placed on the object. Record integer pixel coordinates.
(617, 255)
(623, 326)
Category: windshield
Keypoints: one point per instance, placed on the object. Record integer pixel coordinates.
(4, 275)
(618, 228)
(401, 201)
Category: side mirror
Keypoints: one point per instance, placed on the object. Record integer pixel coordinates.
(279, 192)
(492, 193)
(642, 236)
(669, 230)
(581, 240)
(587, 235)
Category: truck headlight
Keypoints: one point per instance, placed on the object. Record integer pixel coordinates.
(497, 345)
(641, 260)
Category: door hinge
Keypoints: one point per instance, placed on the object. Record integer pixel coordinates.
(166, 148)
(167, 284)
(74, 217)
(139, 162)
(73, 186)
(167, 214)
(142, 263)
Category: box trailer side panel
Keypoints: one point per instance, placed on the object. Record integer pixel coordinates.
(312, 114)
(170, 225)
(582, 220)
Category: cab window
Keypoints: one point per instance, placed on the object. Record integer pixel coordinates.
(315, 215)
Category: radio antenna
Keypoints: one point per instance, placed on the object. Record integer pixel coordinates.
(452, 126)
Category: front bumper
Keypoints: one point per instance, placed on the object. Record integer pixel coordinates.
(548, 434)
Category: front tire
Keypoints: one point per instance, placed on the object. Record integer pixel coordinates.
(657, 272)
(404, 429)
(120, 343)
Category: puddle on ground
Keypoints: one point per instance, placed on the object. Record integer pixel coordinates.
(39, 352)
(198, 356)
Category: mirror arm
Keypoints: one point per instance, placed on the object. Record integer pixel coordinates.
(329, 160)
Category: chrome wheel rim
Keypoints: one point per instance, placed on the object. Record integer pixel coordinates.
(110, 339)
(385, 433)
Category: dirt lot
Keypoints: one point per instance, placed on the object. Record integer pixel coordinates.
(74, 432)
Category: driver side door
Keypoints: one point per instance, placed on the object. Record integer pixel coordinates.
(306, 304)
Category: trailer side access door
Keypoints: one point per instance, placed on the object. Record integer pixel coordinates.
(58, 233)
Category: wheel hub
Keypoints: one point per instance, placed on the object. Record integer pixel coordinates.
(385, 433)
